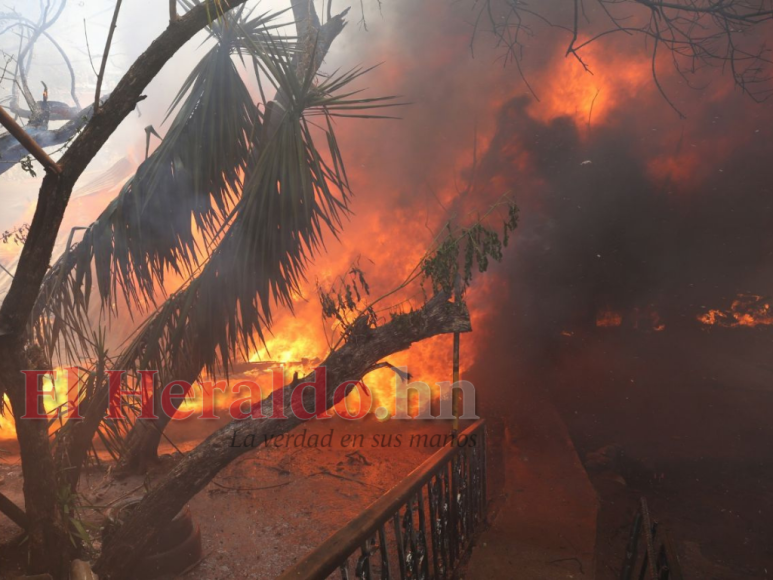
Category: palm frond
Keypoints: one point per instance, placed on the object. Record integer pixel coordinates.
(294, 193)
(185, 189)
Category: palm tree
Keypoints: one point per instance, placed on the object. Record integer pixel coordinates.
(251, 178)
(260, 193)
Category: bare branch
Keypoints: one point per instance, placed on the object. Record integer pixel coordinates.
(88, 48)
(25, 22)
(28, 142)
(11, 151)
(21, 83)
(41, 30)
(14, 512)
(106, 53)
(698, 34)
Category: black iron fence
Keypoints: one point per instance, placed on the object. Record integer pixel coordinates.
(649, 554)
(421, 529)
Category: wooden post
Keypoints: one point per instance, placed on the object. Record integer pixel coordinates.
(455, 402)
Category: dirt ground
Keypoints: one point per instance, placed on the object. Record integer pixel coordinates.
(273, 506)
(543, 517)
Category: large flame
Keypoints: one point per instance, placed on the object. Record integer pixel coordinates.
(566, 89)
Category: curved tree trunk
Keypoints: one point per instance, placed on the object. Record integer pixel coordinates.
(351, 362)
(141, 447)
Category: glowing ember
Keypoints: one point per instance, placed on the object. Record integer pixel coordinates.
(608, 318)
(747, 310)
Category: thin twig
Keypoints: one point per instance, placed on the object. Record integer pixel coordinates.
(325, 471)
(21, 82)
(102, 67)
(88, 47)
(251, 488)
(4, 269)
(590, 112)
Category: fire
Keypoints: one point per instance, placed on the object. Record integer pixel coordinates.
(645, 319)
(61, 385)
(648, 319)
(571, 91)
(406, 193)
(7, 428)
(608, 318)
(747, 310)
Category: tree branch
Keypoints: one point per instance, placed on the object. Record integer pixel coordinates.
(106, 53)
(696, 34)
(31, 25)
(14, 512)
(21, 84)
(28, 142)
(305, 14)
(11, 151)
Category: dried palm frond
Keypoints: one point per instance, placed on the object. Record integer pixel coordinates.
(291, 197)
(187, 187)
(293, 194)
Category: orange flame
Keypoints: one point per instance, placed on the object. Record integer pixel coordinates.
(608, 318)
(747, 310)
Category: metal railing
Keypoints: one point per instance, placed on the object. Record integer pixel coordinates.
(421, 529)
(649, 554)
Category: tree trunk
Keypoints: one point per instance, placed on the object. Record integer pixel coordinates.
(351, 362)
(141, 451)
(49, 548)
